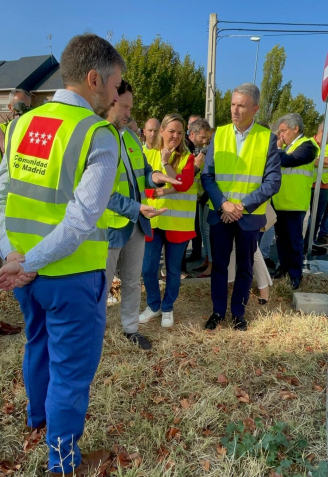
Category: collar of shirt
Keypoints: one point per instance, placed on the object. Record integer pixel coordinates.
(245, 133)
(296, 139)
(69, 97)
(241, 137)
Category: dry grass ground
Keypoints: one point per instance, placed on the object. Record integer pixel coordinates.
(169, 405)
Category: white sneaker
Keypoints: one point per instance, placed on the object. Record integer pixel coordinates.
(167, 319)
(148, 314)
(111, 300)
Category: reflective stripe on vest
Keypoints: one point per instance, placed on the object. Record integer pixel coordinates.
(238, 175)
(324, 176)
(296, 183)
(181, 206)
(42, 181)
(134, 152)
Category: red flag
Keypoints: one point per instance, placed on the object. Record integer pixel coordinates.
(39, 137)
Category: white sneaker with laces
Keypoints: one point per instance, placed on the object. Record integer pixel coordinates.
(111, 300)
(167, 319)
(148, 314)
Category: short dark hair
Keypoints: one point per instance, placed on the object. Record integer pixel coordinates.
(198, 125)
(124, 87)
(85, 53)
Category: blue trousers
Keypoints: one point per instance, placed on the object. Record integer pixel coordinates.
(65, 323)
(222, 237)
(173, 258)
(324, 224)
(322, 206)
(289, 239)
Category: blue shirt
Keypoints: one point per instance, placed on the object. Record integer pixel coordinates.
(91, 197)
(129, 207)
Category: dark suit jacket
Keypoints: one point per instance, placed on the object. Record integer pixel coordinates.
(270, 185)
(305, 153)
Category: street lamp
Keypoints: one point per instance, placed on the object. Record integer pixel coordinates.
(256, 39)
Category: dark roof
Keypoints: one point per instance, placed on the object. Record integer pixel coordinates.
(26, 72)
(51, 82)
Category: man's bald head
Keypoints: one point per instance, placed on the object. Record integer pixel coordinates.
(151, 131)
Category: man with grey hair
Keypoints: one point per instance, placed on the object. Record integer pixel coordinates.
(62, 161)
(293, 199)
(241, 173)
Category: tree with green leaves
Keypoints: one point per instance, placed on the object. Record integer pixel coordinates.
(271, 83)
(161, 82)
(223, 107)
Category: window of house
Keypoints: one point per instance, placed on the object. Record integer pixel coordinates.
(4, 103)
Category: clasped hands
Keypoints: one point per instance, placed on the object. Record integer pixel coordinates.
(231, 212)
(12, 275)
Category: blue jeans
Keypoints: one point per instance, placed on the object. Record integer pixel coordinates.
(173, 258)
(324, 223)
(65, 323)
(266, 242)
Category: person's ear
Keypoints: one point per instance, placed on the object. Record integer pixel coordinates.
(94, 80)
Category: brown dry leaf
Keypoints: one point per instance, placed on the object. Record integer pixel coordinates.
(264, 411)
(309, 349)
(163, 452)
(116, 429)
(223, 380)
(173, 433)
(274, 474)
(185, 404)
(221, 450)
(207, 432)
(32, 440)
(111, 379)
(215, 350)
(205, 464)
(250, 423)
(179, 354)
(258, 372)
(188, 362)
(8, 408)
(222, 407)
(318, 388)
(289, 379)
(287, 395)
(169, 464)
(310, 457)
(158, 399)
(147, 415)
(242, 396)
(177, 420)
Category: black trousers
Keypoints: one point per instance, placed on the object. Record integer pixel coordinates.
(222, 236)
(290, 243)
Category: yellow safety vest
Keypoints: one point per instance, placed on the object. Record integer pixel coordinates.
(3, 127)
(122, 186)
(181, 206)
(47, 152)
(296, 183)
(237, 176)
(324, 177)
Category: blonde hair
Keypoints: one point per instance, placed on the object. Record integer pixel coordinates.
(182, 148)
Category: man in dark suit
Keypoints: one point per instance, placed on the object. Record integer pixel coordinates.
(293, 199)
(241, 173)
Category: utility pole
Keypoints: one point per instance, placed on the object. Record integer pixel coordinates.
(211, 66)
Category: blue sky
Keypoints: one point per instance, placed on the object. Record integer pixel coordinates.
(183, 24)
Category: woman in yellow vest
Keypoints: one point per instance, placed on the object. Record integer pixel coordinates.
(175, 227)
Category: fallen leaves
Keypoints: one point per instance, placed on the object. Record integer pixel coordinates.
(286, 395)
(8, 408)
(292, 380)
(223, 380)
(221, 450)
(222, 407)
(32, 440)
(185, 404)
(173, 433)
(205, 464)
(258, 372)
(242, 396)
(116, 429)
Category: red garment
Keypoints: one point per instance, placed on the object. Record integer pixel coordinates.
(187, 179)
